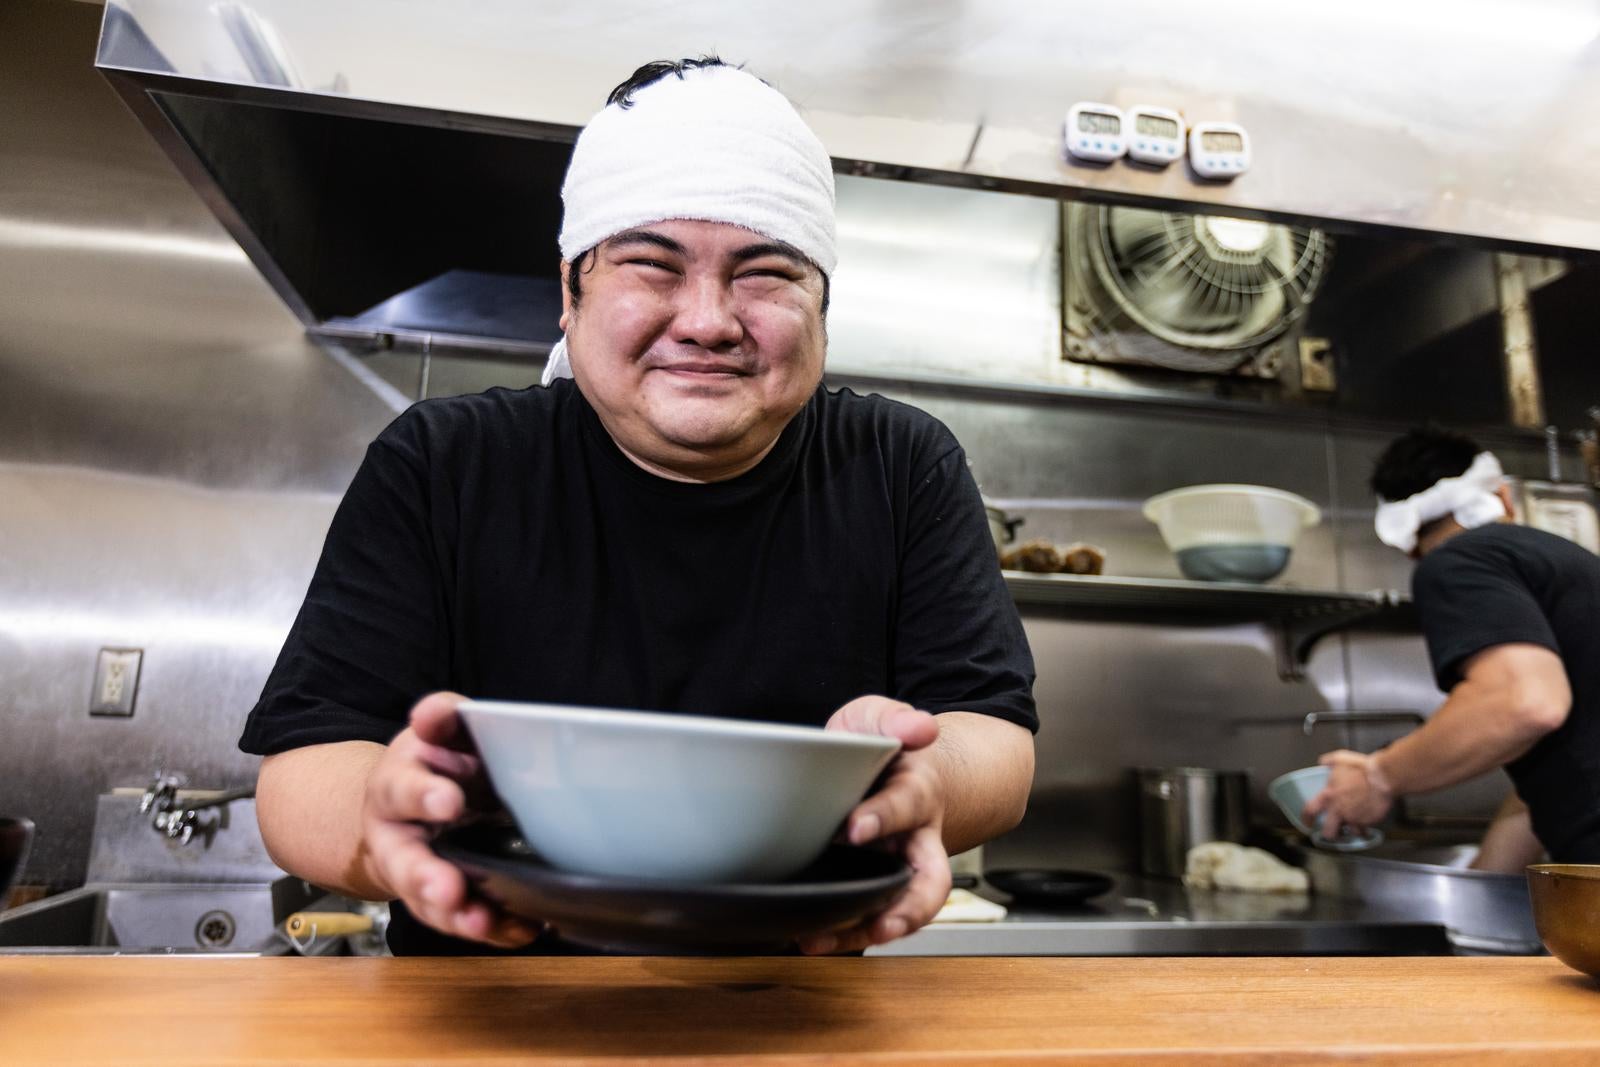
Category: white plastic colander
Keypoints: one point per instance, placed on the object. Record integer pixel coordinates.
(1230, 515)
(1231, 532)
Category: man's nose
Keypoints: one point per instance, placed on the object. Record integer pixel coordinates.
(706, 315)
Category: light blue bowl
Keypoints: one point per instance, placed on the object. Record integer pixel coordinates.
(683, 798)
(1292, 791)
(1233, 563)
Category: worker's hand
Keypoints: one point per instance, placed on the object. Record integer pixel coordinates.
(905, 814)
(1357, 795)
(431, 775)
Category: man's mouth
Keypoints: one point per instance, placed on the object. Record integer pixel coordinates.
(702, 370)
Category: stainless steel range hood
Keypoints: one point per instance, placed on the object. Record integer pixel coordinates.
(392, 166)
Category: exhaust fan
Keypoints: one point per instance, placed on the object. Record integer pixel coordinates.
(1197, 293)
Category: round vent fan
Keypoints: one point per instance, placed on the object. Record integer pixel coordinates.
(1212, 288)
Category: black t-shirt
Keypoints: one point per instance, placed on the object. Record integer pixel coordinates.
(1503, 584)
(502, 546)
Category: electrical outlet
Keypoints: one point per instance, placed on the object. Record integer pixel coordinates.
(116, 681)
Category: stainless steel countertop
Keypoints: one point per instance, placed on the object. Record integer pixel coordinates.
(1143, 916)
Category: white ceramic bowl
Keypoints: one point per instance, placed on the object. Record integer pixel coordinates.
(683, 798)
(1293, 791)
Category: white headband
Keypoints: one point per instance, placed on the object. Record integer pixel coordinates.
(716, 144)
(1470, 497)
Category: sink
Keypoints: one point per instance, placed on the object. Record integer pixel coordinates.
(150, 918)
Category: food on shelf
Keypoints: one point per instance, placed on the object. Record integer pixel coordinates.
(1039, 557)
(1083, 559)
(1042, 557)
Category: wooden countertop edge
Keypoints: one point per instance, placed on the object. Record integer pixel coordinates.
(1547, 1055)
(185, 1012)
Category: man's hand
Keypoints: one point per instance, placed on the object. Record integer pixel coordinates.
(1357, 795)
(431, 775)
(906, 813)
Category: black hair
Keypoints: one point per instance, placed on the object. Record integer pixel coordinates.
(654, 71)
(1419, 459)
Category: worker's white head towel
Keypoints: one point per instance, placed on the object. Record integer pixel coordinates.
(1469, 497)
(715, 144)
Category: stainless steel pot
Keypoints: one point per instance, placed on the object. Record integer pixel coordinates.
(1480, 910)
(1002, 527)
(1181, 807)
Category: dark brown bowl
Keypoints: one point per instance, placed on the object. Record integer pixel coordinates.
(1566, 909)
(15, 834)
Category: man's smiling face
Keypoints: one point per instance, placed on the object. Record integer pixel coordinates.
(696, 343)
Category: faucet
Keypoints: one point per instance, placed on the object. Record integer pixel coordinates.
(1416, 718)
(162, 794)
(179, 820)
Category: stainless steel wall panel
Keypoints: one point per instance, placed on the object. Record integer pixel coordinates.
(946, 281)
(171, 449)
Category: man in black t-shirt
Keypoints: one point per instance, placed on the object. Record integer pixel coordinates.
(1510, 615)
(691, 523)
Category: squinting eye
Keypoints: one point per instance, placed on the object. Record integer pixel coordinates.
(655, 263)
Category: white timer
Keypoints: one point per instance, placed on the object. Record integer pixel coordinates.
(1095, 132)
(1219, 149)
(1155, 135)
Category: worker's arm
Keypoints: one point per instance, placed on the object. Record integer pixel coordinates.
(1508, 698)
(1509, 844)
(356, 817)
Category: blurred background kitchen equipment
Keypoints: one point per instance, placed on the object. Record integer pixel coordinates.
(1049, 888)
(1181, 807)
(307, 924)
(1566, 912)
(965, 906)
(1589, 446)
(1002, 527)
(15, 836)
(1481, 911)
(1566, 509)
(1231, 533)
(359, 928)
(214, 889)
(1589, 449)
(1555, 504)
(966, 868)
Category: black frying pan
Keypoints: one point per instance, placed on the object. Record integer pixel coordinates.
(1030, 886)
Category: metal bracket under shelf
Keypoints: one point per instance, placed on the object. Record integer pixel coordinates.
(1302, 617)
(1299, 631)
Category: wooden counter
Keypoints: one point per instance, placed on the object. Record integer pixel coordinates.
(176, 1011)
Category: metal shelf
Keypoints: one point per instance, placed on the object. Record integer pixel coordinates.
(1303, 616)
